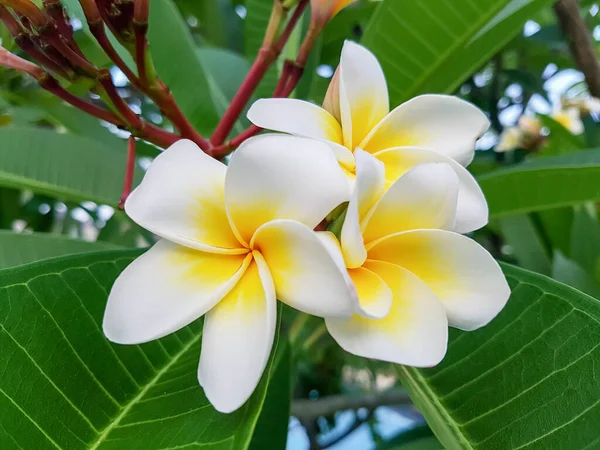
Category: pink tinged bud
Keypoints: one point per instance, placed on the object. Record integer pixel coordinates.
(332, 99)
(324, 10)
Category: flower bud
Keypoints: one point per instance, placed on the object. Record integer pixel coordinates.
(324, 10)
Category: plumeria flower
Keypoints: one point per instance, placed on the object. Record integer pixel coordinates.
(414, 275)
(233, 240)
(569, 118)
(530, 124)
(510, 139)
(355, 114)
(585, 105)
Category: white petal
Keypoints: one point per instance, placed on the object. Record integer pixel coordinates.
(442, 123)
(237, 340)
(301, 118)
(181, 199)
(374, 295)
(368, 188)
(276, 176)
(462, 274)
(471, 208)
(167, 288)
(305, 274)
(424, 197)
(414, 333)
(363, 93)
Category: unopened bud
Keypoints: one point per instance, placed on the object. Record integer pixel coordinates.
(324, 10)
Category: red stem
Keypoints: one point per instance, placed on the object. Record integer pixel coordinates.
(255, 75)
(107, 83)
(52, 86)
(266, 56)
(129, 170)
(141, 13)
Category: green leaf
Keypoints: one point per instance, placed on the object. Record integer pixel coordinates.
(61, 165)
(63, 385)
(272, 427)
(432, 46)
(561, 140)
(520, 234)
(585, 239)
(569, 272)
(543, 184)
(174, 53)
(17, 249)
(527, 381)
(226, 72)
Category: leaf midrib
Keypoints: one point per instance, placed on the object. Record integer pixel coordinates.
(115, 422)
(426, 393)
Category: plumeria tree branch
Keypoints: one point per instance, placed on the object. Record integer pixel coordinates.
(326, 406)
(268, 53)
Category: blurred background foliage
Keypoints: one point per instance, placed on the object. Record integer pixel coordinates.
(61, 171)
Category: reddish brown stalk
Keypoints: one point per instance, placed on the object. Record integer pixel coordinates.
(141, 12)
(58, 16)
(130, 117)
(52, 86)
(50, 35)
(25, 43)
(161, 95)
(29, 10)
(266, 56)
(287, 32)
(129, 170)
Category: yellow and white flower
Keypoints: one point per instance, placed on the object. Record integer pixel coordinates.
(355, 114)
(510, 139)
(570, 118)
(413, 274)
(233, 240)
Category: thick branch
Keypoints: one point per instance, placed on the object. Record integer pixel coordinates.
(311, 409)
(580, 42)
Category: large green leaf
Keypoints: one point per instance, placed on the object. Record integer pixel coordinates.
(174, 54)
(527, 381)
(543, 184)
(521, 235)
(17, 249)
(61, 165)
(63, 385)
(434, 45)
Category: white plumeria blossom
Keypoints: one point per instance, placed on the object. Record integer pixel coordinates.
(569, 118)
(233, 240)
(413, 274)
(355, 114)
(510, 139)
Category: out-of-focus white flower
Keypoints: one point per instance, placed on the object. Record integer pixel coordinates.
(413, 273)
(356, 114)
(510, 139)
(530, 124)
(585, 105)
(570, 118)
(233, 241)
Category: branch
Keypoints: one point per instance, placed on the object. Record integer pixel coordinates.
(311, 409)
(580, 42)
(358, 422)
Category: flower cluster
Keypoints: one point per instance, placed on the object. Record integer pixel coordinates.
(234, 239)
(527, 133)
